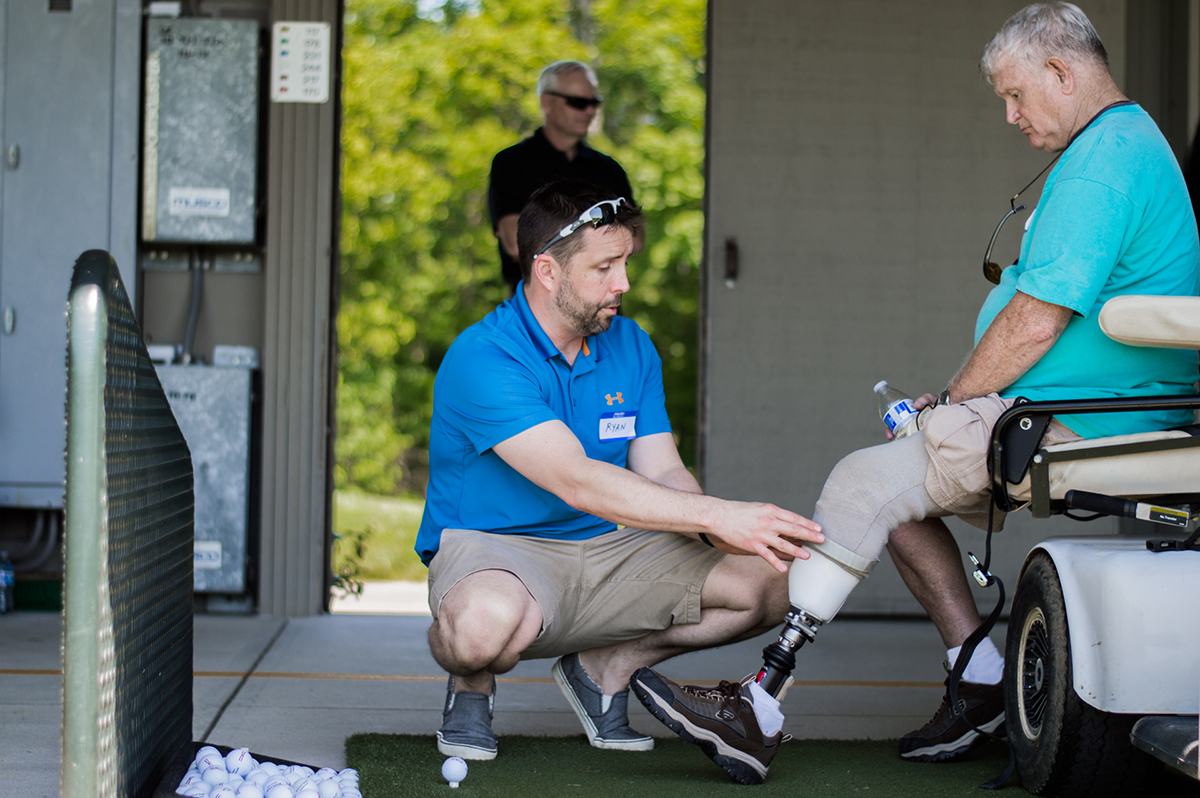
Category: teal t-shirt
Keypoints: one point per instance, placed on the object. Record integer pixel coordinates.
(1114, 218)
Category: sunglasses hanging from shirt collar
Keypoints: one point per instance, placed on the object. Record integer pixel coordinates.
(991, 270)
(602, 213)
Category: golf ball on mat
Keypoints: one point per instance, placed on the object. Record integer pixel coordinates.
(454, 770)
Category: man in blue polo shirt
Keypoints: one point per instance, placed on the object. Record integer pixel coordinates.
(549, 430)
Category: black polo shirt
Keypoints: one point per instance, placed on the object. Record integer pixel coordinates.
(525, 167)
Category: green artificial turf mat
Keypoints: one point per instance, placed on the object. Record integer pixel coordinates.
(410, 765)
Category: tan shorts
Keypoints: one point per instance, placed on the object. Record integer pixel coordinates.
(957, 438)
(616, 587)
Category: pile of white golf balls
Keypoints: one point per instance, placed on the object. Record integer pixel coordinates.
(454, 770)
(239, 775)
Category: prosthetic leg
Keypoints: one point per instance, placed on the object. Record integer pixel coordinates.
(867, 495)
(817, 589)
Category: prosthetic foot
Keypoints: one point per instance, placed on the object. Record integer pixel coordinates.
(817, 589)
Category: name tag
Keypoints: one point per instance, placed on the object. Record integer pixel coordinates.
(617, 426)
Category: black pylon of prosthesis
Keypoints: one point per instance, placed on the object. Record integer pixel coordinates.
(778, 663)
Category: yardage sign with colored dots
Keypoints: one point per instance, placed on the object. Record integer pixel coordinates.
(300, 62)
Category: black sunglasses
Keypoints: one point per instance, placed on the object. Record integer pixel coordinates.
(602, 213)
(578, 103)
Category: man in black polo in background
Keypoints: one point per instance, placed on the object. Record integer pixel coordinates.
(555, 151)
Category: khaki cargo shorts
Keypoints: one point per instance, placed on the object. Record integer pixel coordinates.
(618, 586)
(957, 438)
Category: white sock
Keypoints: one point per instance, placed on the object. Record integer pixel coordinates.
(766, 709)
(986, 665)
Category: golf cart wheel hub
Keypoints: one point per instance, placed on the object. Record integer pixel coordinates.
(1035, 650)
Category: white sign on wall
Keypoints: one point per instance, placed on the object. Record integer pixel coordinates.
(188, 201)
(300, 62)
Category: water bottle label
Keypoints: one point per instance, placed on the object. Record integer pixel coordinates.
(6, 577)
(898, 415)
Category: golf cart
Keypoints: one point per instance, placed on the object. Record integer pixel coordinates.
(1102, 663)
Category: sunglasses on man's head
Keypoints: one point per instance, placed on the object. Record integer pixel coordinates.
(602, 213)
(578, 103)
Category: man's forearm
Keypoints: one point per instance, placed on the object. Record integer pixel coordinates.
(551, 457)
(674, 503)
(1020, 335)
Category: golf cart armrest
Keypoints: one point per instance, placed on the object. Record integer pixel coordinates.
(1018, 433)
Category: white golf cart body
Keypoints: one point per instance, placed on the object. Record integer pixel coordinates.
(1135, 640)
(1130, 612)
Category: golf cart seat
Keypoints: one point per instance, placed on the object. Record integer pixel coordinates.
(1156, 474)
(1102, 659)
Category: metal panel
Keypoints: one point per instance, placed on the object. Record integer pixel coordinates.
(200, 162)
(212, 406)
(65, 120)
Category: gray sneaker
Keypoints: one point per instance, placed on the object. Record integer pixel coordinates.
(467, 724)
(605, 728)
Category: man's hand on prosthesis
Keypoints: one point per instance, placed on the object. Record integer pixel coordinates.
(765, 530)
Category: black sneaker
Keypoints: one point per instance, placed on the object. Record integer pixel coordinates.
(467, 724)
(720, 720)
(605, 727)
(947, 735)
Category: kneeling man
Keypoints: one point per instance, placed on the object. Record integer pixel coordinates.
(559, 520)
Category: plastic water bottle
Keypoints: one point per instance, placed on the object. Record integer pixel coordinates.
(896, 409)
(7, 579)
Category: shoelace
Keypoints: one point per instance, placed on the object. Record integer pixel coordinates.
(727, 693)
(730, 692)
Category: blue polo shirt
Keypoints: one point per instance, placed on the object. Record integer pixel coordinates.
(503, 376)
(1114, 218)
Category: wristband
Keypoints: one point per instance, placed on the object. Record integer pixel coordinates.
(706, 541)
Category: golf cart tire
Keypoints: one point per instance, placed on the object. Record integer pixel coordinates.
(1063, 746)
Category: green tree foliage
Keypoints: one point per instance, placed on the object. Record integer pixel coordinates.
(432, 90)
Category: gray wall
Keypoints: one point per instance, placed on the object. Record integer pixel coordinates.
(68, 112)
(861, 164)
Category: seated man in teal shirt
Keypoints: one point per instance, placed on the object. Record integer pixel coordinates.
(1114, 218)
(549, 430)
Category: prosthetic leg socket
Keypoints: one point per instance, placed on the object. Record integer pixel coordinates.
(817, 589)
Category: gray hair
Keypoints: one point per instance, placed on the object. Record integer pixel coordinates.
(1041, 31)
(551, 77)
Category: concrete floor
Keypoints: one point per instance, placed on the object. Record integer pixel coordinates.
(296, 688)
